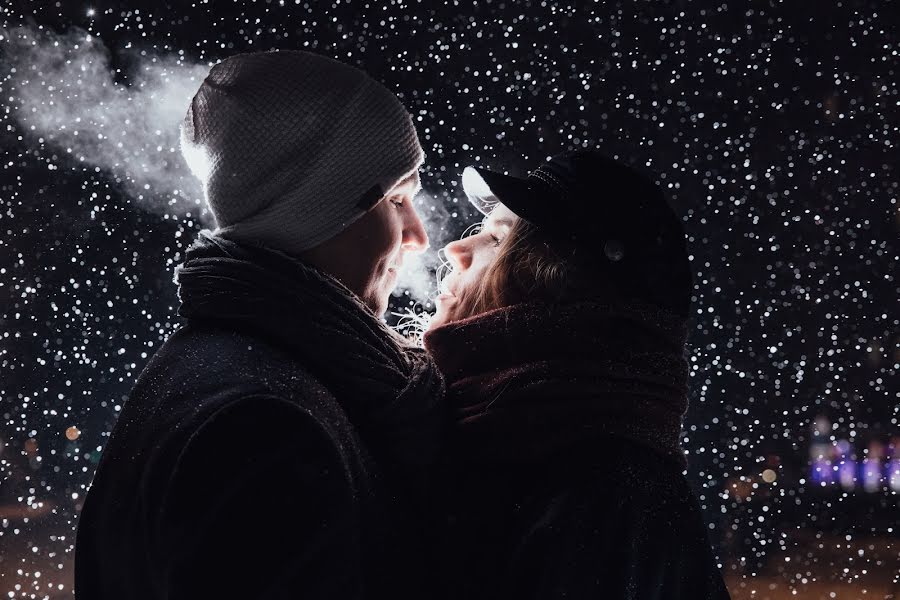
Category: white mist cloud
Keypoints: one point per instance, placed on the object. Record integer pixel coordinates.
(64, 91)
(418, 274)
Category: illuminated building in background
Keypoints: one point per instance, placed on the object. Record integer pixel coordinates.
(872, 477)
(846, 465)
(892, 465)
(820, 453)
(838, 463)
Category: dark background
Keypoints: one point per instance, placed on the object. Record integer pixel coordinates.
(773, 126)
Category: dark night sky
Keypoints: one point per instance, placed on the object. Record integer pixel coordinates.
(774, 127)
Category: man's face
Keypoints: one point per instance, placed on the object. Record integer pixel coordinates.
(368, 254)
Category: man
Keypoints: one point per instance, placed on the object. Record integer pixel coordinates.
(271, 447)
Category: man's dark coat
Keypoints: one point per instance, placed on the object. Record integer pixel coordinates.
(233, 472)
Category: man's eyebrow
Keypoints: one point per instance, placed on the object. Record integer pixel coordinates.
(406, 181)
(410, 179)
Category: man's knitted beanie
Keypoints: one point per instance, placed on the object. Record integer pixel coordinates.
(293, 147)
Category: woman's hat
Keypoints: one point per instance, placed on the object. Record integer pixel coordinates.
(612, 217)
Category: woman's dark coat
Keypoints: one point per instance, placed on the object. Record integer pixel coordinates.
(608, 519)
(563, 474)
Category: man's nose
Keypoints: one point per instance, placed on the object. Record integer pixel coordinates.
(458, 254)
(415, 238)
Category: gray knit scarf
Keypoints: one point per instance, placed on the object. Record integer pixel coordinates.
(528, 381)
(391, 391)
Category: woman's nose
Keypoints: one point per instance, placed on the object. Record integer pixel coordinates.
(415, 238)
(458, 254)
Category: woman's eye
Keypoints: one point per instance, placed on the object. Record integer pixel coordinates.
(496, 239)
(397, 201)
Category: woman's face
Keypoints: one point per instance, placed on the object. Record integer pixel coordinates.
(469, 260)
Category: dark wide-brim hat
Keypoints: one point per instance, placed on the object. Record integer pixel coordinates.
(608, 215)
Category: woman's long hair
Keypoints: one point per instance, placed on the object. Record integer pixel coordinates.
(529, 267)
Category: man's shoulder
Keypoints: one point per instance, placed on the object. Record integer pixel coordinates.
(212, 383)
(226, 350)
(209, 357)
(201, 368)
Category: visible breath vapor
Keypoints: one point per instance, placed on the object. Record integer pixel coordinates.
(68, 97)
(418, 274)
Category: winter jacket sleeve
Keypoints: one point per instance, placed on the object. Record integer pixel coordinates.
(617, 545)
(259, 505)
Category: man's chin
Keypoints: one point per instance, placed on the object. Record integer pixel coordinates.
(377, 304)
(378, 300)
(383, 303)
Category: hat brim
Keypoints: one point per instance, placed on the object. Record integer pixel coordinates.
(485, 189)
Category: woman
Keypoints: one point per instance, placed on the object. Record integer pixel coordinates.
(561, 333)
